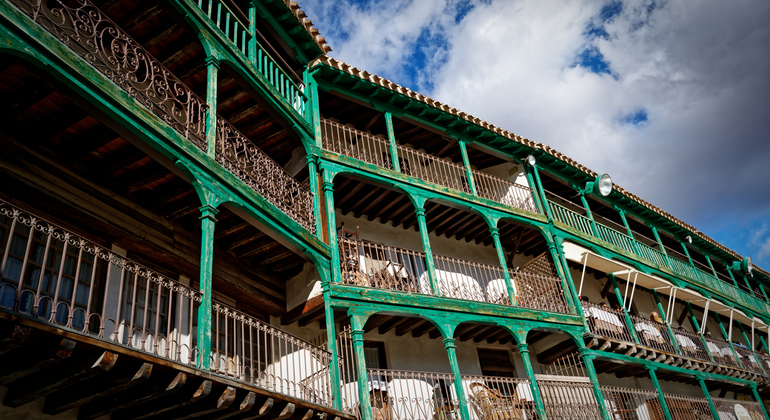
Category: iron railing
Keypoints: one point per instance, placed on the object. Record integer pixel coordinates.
(238, 30)
(491, 397)
(348, 141)
(726, 408)
(469, 280)
(372, 264)
(88, 32)
(721, 352)
(254, 167)
(653, 334)
(568, 398)
(59, 277)
(628, 404)
(432, 169)
(607, 322)
(410, 395)
(691, 345)
(748, 359)
(688, 408)
(255, 352)
(504, 191)
(570, 218)
(539, 291)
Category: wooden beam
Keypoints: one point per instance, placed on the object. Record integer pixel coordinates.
(476, 330)
(549, 356)
(174, 402)
(390, 324)
(23, 362)
(294, 314)
(409, 325)
(157, 387)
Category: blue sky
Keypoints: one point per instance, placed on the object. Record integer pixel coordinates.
(671, 98)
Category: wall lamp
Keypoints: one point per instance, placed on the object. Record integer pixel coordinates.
(745, 266)
(602, 185)
(531, 161)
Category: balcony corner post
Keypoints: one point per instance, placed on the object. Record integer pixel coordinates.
(212, 69)
(312, 167)
(590, 215)
(331, 339)
(392, 142)
(554, 243)
(534, 191)
(524, 352)
(462, 402)
(357, 323)
(753, 386)
(208, 221)
(727, 339)
(468, 171)
(705, 389)
(495, 232)
(588, 361)
(419, 212)
(331, 222)
(541, 193)
(661, 397)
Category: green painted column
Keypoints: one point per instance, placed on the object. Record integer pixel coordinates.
(660, 245)
(533, 189)
(764, 343)
(357, 334)
(748, 344)
(392, 141)
(560, 262)
(312, 168)
(711, 265)
(212, 69)
(541, 191)
(687, 253)
(331, 338)
(252, 52)
(495, 232)
(696, 325)
(668, 325)
(208, 220)
(314, 109)
(759, 399)
(626, 316)
(630, 232)
(705, 389)
(419, 211)
(524, 352)
(331, 224)
(468, 171)
(762, 289)
(727, 338)
(588, 361)
(661, 397)
(449, 345)
(588, 213)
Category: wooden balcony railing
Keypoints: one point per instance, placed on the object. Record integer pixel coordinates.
(255, 352)
(612, 236)
(348, 141)
(372, 264)
(60, 278)
(721, 352)
(691, 345)
(570, 218)
(606, 322)
(237, 28)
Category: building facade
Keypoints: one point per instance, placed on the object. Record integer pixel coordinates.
(204, 215)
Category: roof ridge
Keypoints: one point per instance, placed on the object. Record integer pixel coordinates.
(395, 87)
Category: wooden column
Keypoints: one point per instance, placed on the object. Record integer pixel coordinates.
(419, 211)
(696, 325)
(208, 220)
(495, 232)
(468, 171)
(661, 397)
(568, 285)
(212, 69)
(626, 316)
(588, 361)
(392, 141)
(524, 352)
(759, 399)
(541, 191)
(312, 168)
(533, 189)
(588, 213)
(708, 397)
(331, 222)
(449, 345)
(727, 338)
(357, 335)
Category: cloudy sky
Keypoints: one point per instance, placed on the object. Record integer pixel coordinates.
(671, 98)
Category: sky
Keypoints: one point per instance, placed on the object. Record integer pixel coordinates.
(671, 98)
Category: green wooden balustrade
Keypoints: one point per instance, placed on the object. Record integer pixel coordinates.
(615, 238)
(236, 28)
(570, 218)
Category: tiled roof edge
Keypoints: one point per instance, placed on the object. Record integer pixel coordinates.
(308, 25)
(387, 84)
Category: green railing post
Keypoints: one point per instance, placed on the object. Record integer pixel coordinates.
(208, 221)
(312, 168)
(660, 245)
(524, 353)
(661, 397)
(626, 316)
(392, 142)
(696, 325)
(541, 191)
(588, 361)
(534, 191)
(212, 69)
(589, 214)
(560, 261)
(419, 212)
(705, 389)
(668, 324)
(357, 323)
(495, 232)
(727, 338)
(462, 402)
(468, 171)
(252, 51)
(634, 244)
(753, 386)
(331, 224)
(331, 340)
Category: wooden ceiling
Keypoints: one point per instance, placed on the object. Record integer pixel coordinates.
(366, 119)
(39, 123)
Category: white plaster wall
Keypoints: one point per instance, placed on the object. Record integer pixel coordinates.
(509, 171)
(303, 286)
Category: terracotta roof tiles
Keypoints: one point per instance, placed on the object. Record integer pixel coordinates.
(379, 81)
(307, 24)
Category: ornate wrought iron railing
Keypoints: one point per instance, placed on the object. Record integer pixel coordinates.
(254, 167)
(372, 264)
(468, 280)
(432, 169)
(407, 395)
(721, 352)
(627, 403)
(237, 28)
(88, 32)
(255, 352)
(688, 408)
(726, 408)
(691, 345)
(504, 191)
(570, 218)
(539, 291)
(491, 397)
(568, 397)
(353, 143)
(607, 322)
(653, 334)
(59, 277)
